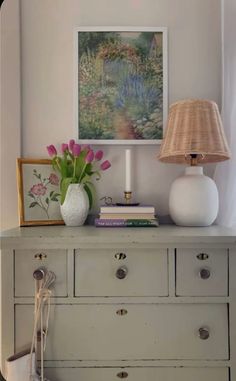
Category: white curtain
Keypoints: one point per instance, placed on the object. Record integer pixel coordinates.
(225, 175)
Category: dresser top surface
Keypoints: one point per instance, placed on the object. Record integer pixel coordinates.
(90, 234)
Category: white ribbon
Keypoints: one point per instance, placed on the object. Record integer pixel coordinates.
(42, 304)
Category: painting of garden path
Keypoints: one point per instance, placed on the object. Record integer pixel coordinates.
(120, 85)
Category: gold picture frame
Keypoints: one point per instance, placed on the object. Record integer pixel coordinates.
(38, 193)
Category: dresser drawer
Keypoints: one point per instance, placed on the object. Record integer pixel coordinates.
(202, 272)
(130, 332)
(27, 261)
(137, 374)
(121, 273)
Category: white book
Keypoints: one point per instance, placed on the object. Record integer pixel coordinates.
(128, 209)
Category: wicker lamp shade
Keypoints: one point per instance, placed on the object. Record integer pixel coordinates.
(194, 127)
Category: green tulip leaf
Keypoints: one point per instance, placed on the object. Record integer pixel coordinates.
(79, 164)
(64, 167)
(91, 191)
(88, 169)
(56, 163)
(70, 155)
(65, 182)
(85, 179)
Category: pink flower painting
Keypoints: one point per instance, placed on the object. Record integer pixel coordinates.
(42, 194)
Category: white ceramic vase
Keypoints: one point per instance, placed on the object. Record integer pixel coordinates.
(75, 207)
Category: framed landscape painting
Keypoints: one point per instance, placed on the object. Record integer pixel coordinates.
(38, 193)
(121, 85)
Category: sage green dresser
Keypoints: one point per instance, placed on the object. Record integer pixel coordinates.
(154, 304)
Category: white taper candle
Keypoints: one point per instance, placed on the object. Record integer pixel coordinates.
(128, 170)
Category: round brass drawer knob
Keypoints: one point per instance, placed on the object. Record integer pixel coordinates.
(204, 273)
(121, 272)
(40, 256)
(122, 312)
(122, 374)
(204, 333)
(202, 256)
(120, 256)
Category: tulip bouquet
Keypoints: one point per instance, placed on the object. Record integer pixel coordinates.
(77, 164)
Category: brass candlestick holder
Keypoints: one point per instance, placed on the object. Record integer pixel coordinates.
(128, 200)
(128, 197)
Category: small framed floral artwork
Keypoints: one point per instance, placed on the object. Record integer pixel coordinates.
(121, 84)
(38, 193)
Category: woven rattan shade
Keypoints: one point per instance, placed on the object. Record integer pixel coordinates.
(194, 127)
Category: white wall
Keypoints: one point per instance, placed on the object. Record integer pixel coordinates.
(48, 76)
(10, 111)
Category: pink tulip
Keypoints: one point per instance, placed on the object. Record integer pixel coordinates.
(64, 147)
(85, 147)
(76, 149)
(105, 165)
(89, 157)
(52, 150)
(71, 144)
(99, 155)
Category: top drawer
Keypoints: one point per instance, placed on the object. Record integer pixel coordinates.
(202, 272)
(27, 261)
(129, 272)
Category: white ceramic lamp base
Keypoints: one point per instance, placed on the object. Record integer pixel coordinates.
(194, 199)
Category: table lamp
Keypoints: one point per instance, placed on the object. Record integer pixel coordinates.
(194, 135)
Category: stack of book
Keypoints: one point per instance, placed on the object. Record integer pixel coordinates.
(127, 216)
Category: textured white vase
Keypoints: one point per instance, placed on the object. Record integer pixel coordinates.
(194, 199)
(75, 207)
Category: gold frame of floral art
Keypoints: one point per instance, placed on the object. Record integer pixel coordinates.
(20, 189)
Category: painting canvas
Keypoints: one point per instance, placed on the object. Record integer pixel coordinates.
(122, 85)
(38, 193)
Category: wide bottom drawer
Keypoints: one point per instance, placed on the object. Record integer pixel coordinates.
(138, 374)
(130, 332)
